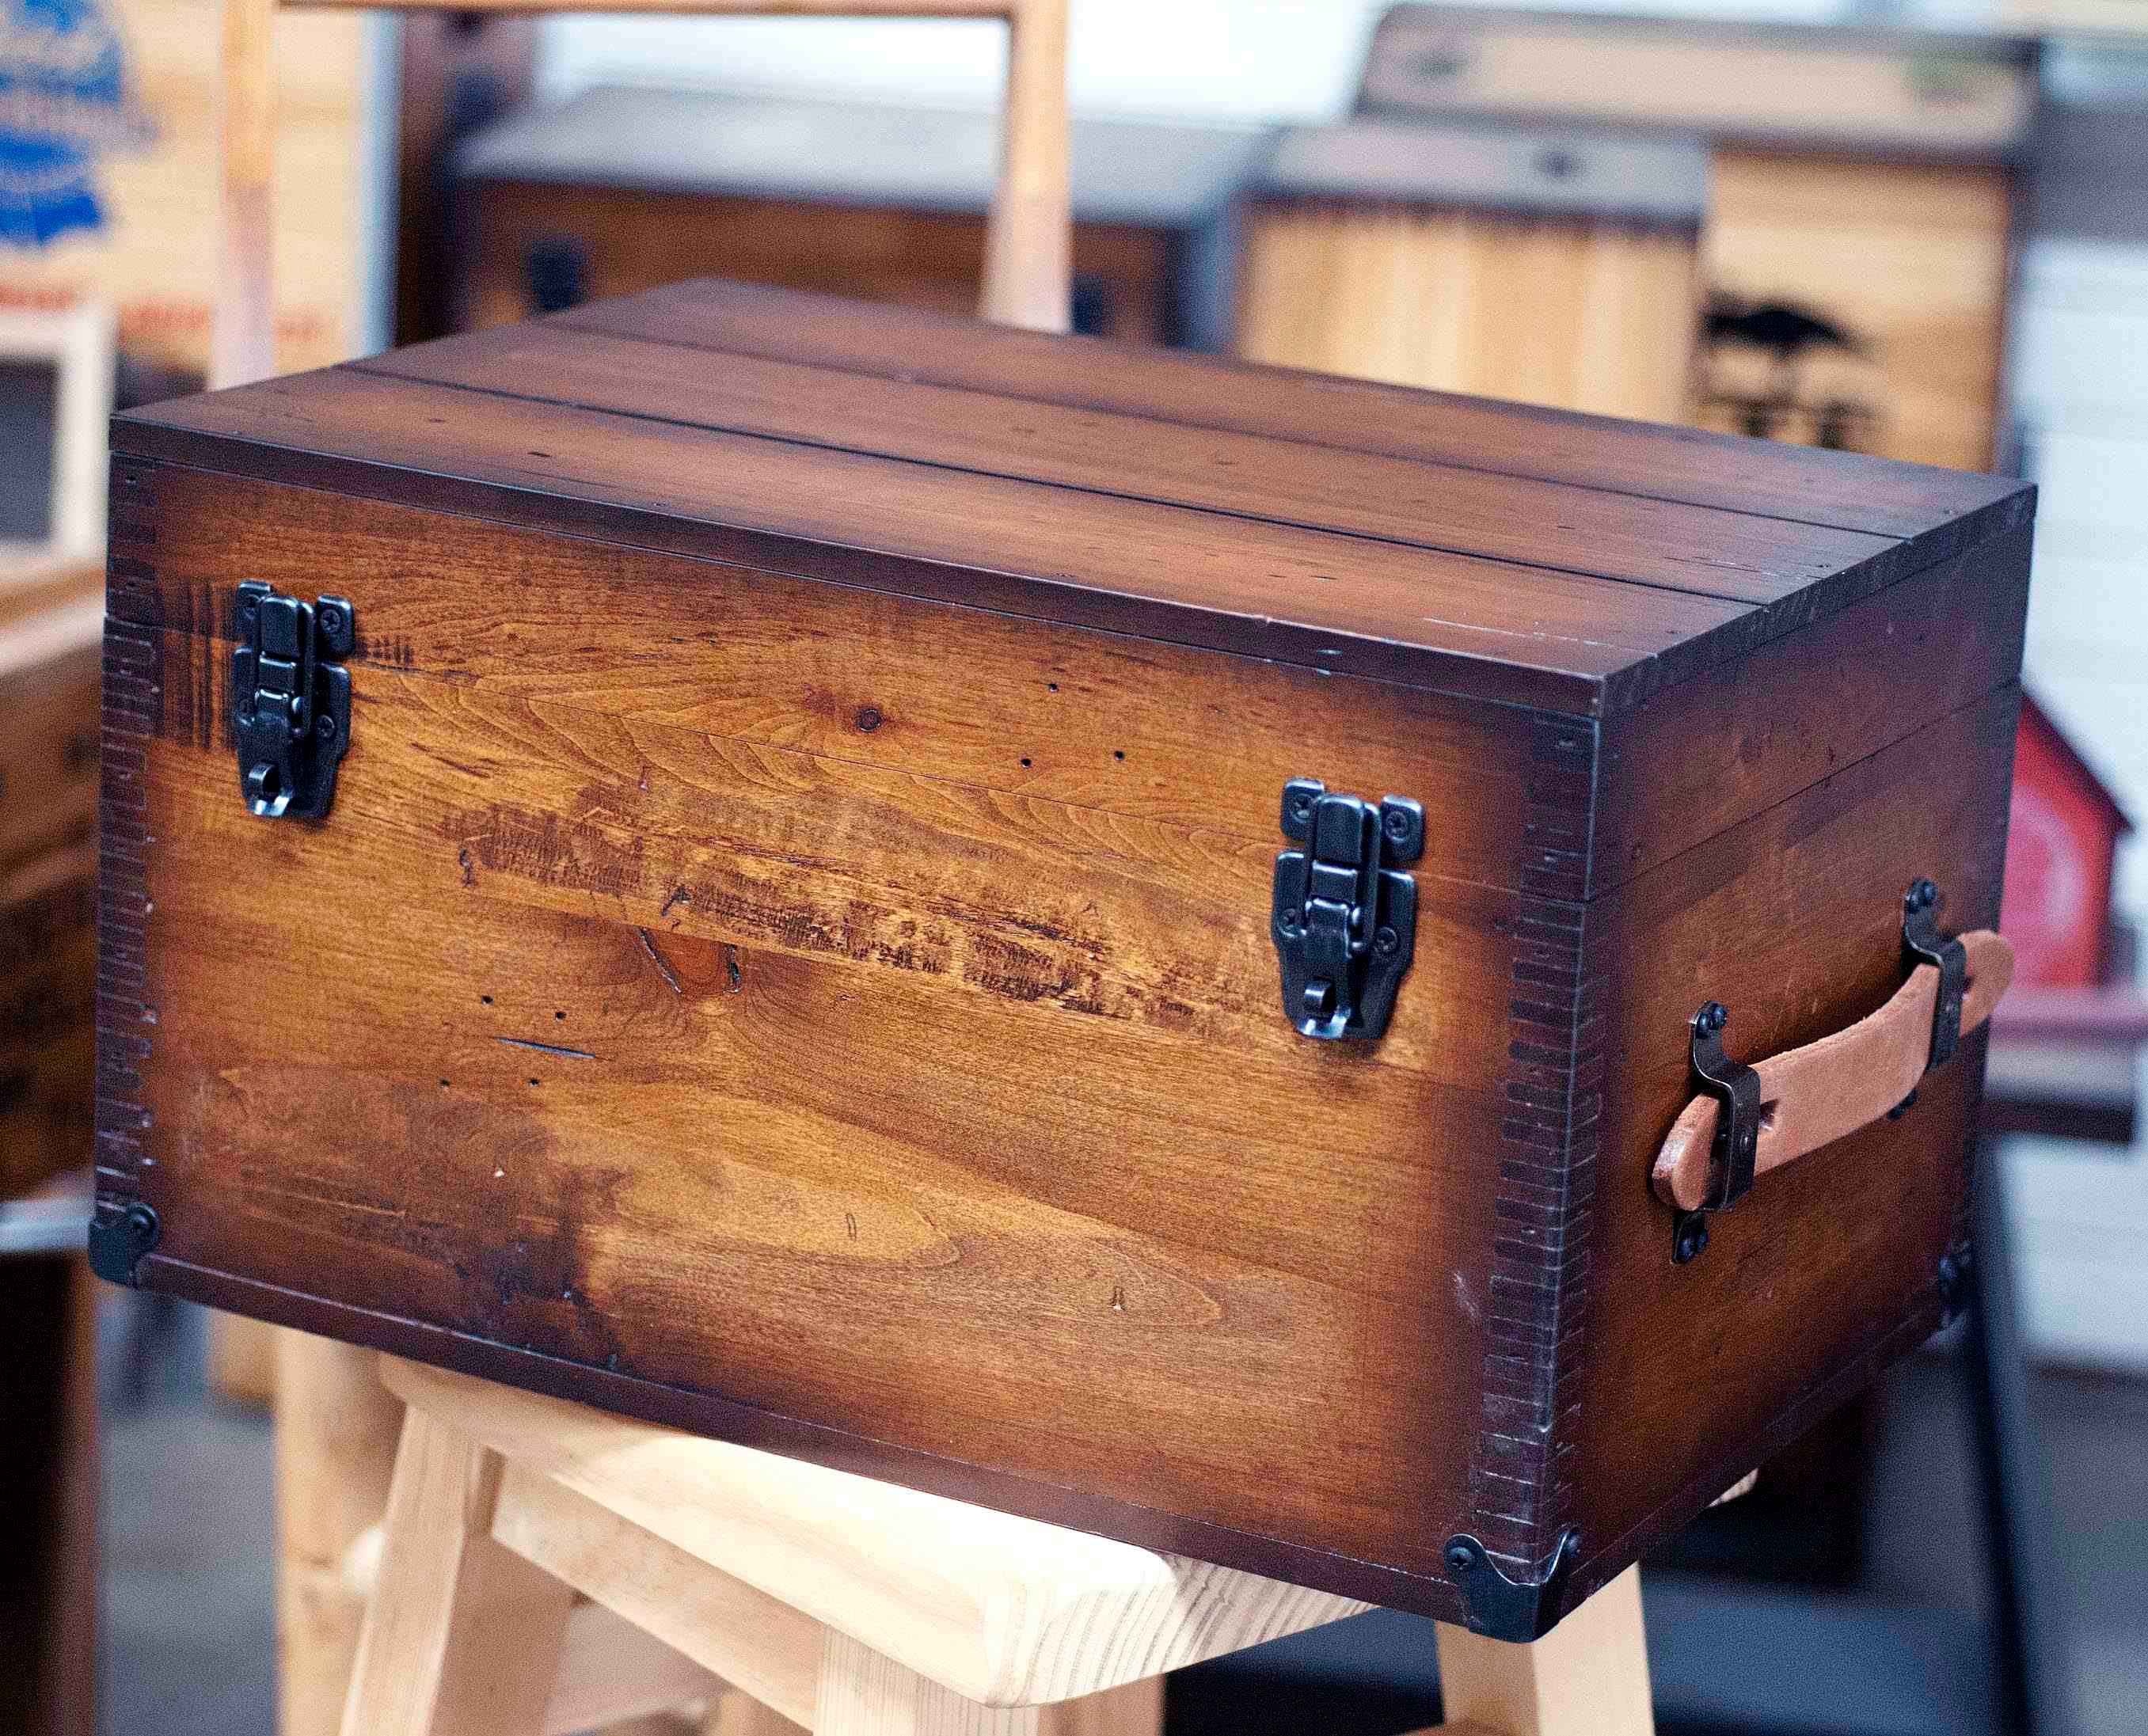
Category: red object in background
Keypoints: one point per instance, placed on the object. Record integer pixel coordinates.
(2063, 833)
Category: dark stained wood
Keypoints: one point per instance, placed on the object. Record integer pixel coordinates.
(756, 662)
(1313, 597)
(1876, 495)
(1456, 574)
(1698, 758)
(790, 954)
(1793, 921)
(1447, 508)
(1008, 1164)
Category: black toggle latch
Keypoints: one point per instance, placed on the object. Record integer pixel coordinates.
(290, 699)
(1344, 918)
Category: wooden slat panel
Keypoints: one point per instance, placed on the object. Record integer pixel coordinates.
(1306, 596)
(1829, 1268)
(1702, 549)
(1834, 489)
(1000, 1164)
(755, 661)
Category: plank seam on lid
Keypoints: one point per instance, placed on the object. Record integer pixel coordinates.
(566, 321)
(1416, 503)
(1625, 675)
(613, 318)
(948, 467)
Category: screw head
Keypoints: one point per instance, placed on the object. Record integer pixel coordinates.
(1712, 1017)
(1293, 917)
(1397, 824)
(246, 712)
(1460, 1558)
(324, 727)
(1691, 1241)
(1301, 807)
(1923, 895)
(1387, 942)
(331, 619)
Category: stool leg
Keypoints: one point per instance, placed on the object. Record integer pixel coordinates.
(1587, 1677)
(864, 1694)
(336, 1429)
(1135, 1709)
(462, 1636)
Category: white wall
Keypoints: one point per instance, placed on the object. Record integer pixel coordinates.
(1236, 60)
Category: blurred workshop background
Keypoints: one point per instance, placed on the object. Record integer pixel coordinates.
(1920, 231)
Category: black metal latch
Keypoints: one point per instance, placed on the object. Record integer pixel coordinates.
(290, 699)
(1922, 941)
(1344, 918)
(1736, 1152)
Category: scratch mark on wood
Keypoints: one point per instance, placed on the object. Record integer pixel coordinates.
(656, 959)
(731, 968)
(517, 1042)
(679, 894)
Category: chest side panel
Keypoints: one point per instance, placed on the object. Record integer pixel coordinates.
(1688, 1376)
(713, 990)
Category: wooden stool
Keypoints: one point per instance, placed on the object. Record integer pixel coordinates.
(767, 1590)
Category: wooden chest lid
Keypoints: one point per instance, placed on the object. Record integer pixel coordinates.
(1513, 553)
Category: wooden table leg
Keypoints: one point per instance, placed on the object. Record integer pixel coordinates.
(864, 1694)
(336, 1429)
(462, 1636)
(1587, 1677)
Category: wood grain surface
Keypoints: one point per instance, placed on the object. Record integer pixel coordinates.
(1551, 588)
(790, 955)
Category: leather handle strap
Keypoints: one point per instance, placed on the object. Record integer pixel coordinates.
(1814, 1096)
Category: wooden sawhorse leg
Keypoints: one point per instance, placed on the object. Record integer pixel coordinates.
(547, 1568)
(1587, 1677)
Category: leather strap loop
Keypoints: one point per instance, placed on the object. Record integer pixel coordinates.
(1816, 1094)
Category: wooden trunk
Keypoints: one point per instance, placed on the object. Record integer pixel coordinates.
(49, 701)
(792, 950)
(622, 189)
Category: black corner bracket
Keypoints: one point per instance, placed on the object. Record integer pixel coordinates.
(119, 1238)
(1503, 1609)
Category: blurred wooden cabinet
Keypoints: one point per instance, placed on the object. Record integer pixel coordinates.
(620, 189)
(51, 627)
(1857, 246)
(1548, 266)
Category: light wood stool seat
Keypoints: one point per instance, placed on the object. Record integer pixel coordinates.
(769, 1590)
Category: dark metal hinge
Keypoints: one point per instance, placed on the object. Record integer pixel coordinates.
(1503, 1609)
(1732, 1158)
(1921, 940)
(1344, 918)
(290, 699)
